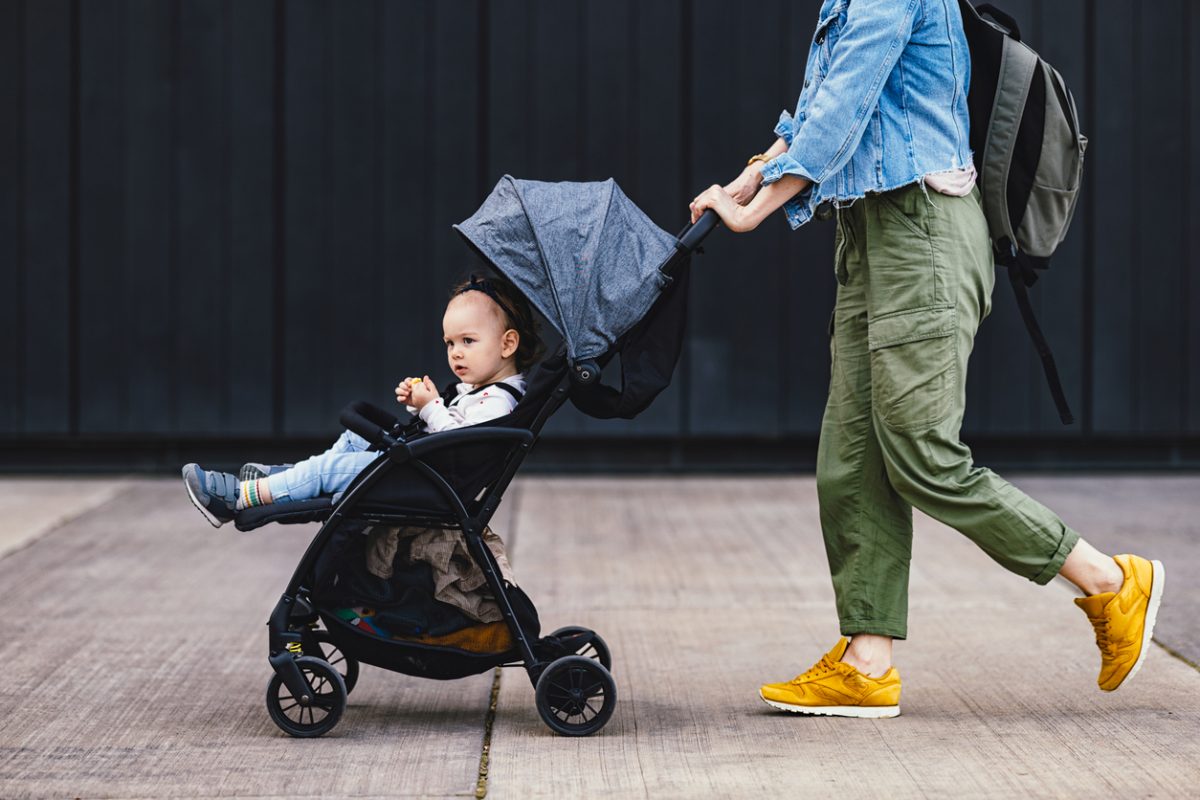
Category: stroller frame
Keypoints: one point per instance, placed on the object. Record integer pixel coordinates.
(578, 653)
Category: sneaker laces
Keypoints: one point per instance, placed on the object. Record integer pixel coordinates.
(1106, 645)
(823, 667)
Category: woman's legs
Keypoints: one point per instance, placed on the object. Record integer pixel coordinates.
(920, 270)
(916, 277)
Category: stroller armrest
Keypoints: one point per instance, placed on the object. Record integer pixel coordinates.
(403, 451)
(370, 422)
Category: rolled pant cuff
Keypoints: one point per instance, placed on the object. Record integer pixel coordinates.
(897, 629)
(1065, 546)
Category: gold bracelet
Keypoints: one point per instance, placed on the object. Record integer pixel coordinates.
(763, 157)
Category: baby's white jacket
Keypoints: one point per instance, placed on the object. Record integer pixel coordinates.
(469, 409)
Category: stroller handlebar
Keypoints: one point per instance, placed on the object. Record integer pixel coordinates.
(691, 236)
(370, 422)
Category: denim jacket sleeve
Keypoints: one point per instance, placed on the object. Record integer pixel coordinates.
(862, 58)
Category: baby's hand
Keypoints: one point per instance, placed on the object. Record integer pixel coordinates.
(422, 393)
(404, 390)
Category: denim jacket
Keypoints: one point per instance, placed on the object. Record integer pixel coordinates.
(884, 102)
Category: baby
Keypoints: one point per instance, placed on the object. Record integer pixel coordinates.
(491, 339)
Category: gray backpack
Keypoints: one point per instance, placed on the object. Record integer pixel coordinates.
(1028, 155)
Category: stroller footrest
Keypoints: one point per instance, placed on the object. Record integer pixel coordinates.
(291, 513)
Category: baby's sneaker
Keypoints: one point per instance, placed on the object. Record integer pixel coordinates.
(214, 493)
(1124, 620)
(834, 688)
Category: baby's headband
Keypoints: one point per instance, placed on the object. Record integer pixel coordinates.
(484, 285)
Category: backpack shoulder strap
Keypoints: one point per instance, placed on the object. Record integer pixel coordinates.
(1021, 275)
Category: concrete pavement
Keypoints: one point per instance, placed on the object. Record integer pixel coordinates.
(134, 652)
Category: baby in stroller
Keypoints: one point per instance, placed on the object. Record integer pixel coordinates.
(608, 282)
(491, 340)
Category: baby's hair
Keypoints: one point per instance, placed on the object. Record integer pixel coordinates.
(517, 314)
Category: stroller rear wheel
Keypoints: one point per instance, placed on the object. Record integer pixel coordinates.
(590, 647)
(322, 646)
(321, 713)
(576, 695)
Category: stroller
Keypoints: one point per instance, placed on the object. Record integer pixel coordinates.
(612, 284)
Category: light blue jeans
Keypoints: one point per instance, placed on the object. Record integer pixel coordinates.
(324, 474)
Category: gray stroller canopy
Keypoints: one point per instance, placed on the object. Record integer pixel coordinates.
(582, 253)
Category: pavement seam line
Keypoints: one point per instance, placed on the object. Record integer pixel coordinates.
(489, 719)
(1176, 654)
(481, 781)
(60, 522)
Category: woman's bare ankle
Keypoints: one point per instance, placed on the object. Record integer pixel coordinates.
(1091, 571)
(870, 654)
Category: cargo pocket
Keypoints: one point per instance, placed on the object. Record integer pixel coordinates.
(914, 366)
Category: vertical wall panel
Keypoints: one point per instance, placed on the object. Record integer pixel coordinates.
(46, 238)
(512, 132)
(1158, 215)
(249, 141)
(307, 395)
(1113, 155)
(1192, 223)
(352, 319)
(149, 77)
(125, 262)
(11, 180)
(104, 332)
(206, 283)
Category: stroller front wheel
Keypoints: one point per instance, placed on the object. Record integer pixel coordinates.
(321, 713)
(576, 695)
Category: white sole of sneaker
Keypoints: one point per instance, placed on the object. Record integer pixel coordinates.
(1158, 577)
(216, 523)
(861, 712)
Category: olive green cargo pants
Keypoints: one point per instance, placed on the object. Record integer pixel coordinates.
(915, 277)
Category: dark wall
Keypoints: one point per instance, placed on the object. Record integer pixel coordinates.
(225, 219)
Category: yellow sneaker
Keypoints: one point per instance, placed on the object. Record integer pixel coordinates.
(1124, 620)
(834, 688)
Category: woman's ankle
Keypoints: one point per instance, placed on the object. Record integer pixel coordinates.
(1091, 571)
(870, 654)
